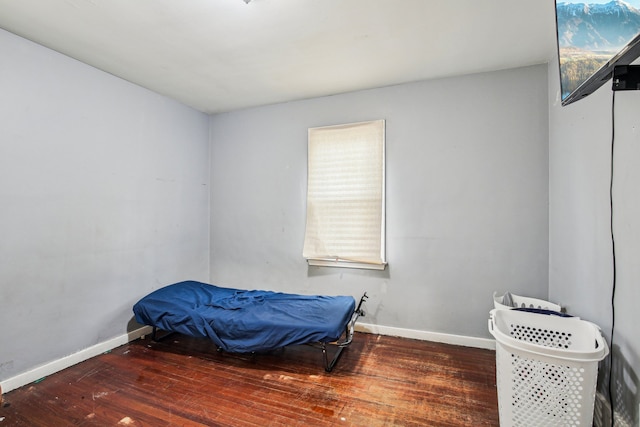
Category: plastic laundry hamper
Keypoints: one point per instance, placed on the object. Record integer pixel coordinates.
(520, 301)
(546, 368)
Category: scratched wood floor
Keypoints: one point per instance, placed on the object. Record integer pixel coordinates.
(379, 381)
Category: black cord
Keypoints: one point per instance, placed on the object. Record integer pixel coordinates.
(613, 253)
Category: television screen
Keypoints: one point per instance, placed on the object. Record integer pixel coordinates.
(593, 38)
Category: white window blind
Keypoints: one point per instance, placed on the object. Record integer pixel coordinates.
(346, 196)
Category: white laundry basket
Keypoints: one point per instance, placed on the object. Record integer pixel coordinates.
(546, 368)
(520, 301)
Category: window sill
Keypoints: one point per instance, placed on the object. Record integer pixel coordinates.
(345, 264)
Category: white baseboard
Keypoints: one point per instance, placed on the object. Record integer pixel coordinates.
(486, 343)
(67, 361)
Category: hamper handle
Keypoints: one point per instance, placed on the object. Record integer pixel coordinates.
(542, 311)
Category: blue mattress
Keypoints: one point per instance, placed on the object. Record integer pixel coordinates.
(245, 321)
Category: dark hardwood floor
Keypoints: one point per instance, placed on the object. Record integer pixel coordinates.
(181, 381)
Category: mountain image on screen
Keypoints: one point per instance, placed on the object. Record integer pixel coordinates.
(589, 35)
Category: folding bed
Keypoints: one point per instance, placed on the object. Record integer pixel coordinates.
(251, 321)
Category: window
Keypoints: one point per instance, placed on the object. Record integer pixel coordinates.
(346, 196)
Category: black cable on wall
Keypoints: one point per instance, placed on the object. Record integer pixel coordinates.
(613, 258)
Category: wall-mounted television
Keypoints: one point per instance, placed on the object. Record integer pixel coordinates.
(593, 38)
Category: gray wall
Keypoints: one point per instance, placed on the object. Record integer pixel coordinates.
(580, 247)
(467, 198)
(104, 196)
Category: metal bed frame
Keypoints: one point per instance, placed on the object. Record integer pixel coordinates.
(348, 337)
(340, 344)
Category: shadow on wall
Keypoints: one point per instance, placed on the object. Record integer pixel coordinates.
(625, 393)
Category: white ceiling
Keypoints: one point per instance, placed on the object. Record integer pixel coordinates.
(223, 55)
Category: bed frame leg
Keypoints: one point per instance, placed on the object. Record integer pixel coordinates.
(328, 366)
(155, 337)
